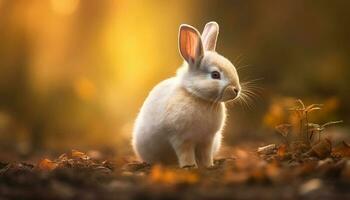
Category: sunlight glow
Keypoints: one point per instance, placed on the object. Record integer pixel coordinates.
(65, 7)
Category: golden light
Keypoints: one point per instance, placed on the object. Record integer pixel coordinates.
(64, 7)
(85, 88)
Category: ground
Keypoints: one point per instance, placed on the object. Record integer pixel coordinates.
(240, 173)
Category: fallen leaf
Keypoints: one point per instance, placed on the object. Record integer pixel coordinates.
(322, 149)
(282, 151)
(271, 148)
(63, 157)
(161, 174)
(78, 154)
(135, 166)
(47, 165)
(284, 129)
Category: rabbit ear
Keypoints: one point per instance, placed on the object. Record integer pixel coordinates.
(190, 44)
(210, 36)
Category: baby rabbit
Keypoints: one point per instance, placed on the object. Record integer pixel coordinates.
(182, 119)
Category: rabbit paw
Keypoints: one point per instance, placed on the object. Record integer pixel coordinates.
(189, 167)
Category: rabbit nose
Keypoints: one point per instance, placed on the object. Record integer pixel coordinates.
(230, 93)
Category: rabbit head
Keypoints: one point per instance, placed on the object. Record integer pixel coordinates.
(206, 74)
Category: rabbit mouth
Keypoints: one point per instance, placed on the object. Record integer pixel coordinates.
(230, 93)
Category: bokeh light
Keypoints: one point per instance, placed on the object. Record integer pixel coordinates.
(73, 74)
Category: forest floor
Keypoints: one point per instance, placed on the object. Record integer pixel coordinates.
(240, 173)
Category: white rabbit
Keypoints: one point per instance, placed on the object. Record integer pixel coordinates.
(182, 119)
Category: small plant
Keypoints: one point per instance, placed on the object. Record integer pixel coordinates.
(302, 137)
(307, 130)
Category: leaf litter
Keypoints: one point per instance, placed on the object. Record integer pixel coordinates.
(305, 164)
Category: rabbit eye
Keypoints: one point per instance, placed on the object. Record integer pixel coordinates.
(215, 75)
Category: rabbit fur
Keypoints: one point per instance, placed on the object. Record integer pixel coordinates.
(182, 119)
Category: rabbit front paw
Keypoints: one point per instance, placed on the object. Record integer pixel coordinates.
(189, 167)
(185, 154)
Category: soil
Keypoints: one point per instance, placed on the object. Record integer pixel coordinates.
(241, 173)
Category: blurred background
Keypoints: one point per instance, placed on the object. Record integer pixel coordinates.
(74, 73)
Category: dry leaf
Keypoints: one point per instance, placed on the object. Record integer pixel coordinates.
(322, 149)
(160, 174)
(47, 165)
(284, 129)
(271, 148)
(282, 151)
(78, 154)
(135, 166)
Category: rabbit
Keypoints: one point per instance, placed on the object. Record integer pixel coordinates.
(182, 119)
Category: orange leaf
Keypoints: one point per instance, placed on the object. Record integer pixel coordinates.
(323, 148)
(47, 165)
(78, 154)
(281, 151)
(284, 129)
(160, 174)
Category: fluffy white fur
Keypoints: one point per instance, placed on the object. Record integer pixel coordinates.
(182, 119)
